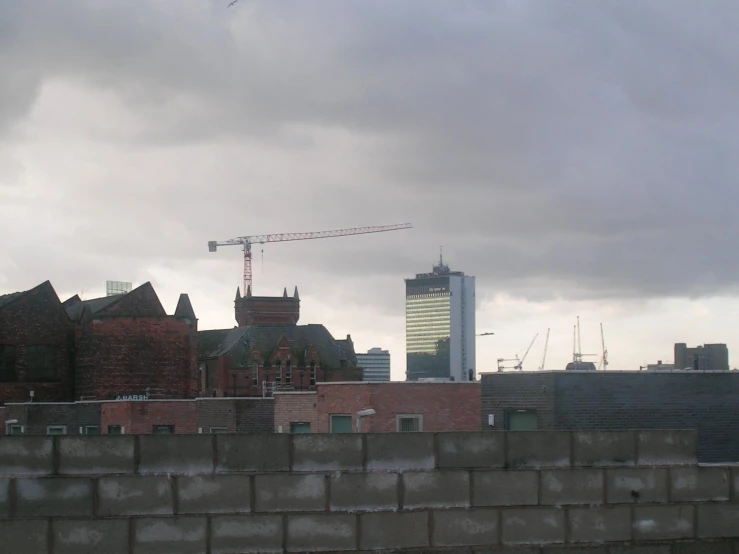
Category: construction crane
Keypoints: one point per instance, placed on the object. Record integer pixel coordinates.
(604, 356)
(544, 357)
(246, 242)
(519, 367)
(519, 361)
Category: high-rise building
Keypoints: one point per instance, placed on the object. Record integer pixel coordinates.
(440, 325)
(375, 364)
(709, 357)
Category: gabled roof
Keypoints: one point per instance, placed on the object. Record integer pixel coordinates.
(94, 305)
(184, 308)
(8, 298)
(144, 303)
(239, 342)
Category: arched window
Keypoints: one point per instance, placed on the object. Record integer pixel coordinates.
(278, 372)
(288, 372)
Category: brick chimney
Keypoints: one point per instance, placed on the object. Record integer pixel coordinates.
(267, 310)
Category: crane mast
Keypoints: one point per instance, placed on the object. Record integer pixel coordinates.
(247, 241)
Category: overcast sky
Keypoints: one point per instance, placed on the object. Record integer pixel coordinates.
(578, 158)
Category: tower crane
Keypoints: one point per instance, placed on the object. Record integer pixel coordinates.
(519, 364)
(544, 357)
(519, 367)
(246, 242)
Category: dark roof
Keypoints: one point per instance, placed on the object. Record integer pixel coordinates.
(8, 298)
(94, 305)
(184, 307)
(239, 341)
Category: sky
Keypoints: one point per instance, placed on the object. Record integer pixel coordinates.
(579, 158)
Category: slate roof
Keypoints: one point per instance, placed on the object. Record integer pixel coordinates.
(8, 298)
(239, 341)
(94, 304)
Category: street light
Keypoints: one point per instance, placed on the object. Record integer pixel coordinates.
(361, 414)
(8, 423)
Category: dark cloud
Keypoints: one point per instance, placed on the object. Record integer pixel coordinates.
(577, 150)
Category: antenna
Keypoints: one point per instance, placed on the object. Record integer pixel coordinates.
(441, 255)
(579, 343)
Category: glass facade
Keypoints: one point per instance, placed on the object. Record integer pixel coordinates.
(428, 328)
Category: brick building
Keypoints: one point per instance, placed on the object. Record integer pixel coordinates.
(398, 406)
(619, 400)
(36, 346)
(202, 415)
(269, 347)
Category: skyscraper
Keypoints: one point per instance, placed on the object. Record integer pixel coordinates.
(440, 325)
(375, 364)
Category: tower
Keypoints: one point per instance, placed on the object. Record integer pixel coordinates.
(440, 325)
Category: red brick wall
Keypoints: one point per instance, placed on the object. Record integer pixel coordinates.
(139, 418)
(238, 415)
(267, 310)
(444, 406)
(37, 318)
(127, 355)
(295, 407)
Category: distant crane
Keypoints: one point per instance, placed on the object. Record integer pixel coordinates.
(544, 357)
(604, 356)
(519, 364)
(519, 367)
(246, 242)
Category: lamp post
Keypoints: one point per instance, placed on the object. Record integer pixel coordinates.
(362, 414)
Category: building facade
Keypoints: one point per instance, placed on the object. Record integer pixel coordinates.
(440, 325)
(709, 357)
(375, 365)
(618, 401)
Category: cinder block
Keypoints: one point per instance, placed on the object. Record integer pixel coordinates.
(572, 550)
(253, 453)
(697, 484)
(24, 536)
(242, 534)
(505, 488)
(321, 533)
(664, 522)
(177, 535)
(437, 489)
(176, 454)
(91, 536)
(704, 547)
(650, 549)
(56, 496)
(604, 524)
(667, 448)
(393, 530)
(483, 449)
(364, 492)
(105, 454)
(537, 449)
(636, 485)
(475, 527)
(327, 452)
(4, 497)
(290, 493)
(400, 451)
(604, 449)
(717, 521)
(213, 494)
(572, 486)
(26, 455)
(135, 495)
(533, 526)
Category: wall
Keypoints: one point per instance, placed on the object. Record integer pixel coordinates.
(36, 417)
(237, 415)
(708, 402)
(295, 407)
(141, 417)
(37, 318)
(444, 406)
(604, 492)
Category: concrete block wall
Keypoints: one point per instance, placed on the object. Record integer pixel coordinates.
(542, 492)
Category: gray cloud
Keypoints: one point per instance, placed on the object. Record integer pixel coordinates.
(578, 150)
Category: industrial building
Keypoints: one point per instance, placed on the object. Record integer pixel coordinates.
(709, 357)
(375, 364)
(440, 325)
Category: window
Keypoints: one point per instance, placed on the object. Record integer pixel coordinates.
(255, 374)
(56, 430)
(218, 430)
(288, 372)
(409, 423)
(278, 374)
(7, 363)
(163, 429)
(92, 429)
(41, 363)
(312, 373)
(115, 430)
(521, 420)
(17, 430)
(341, 423)
(300, 427)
